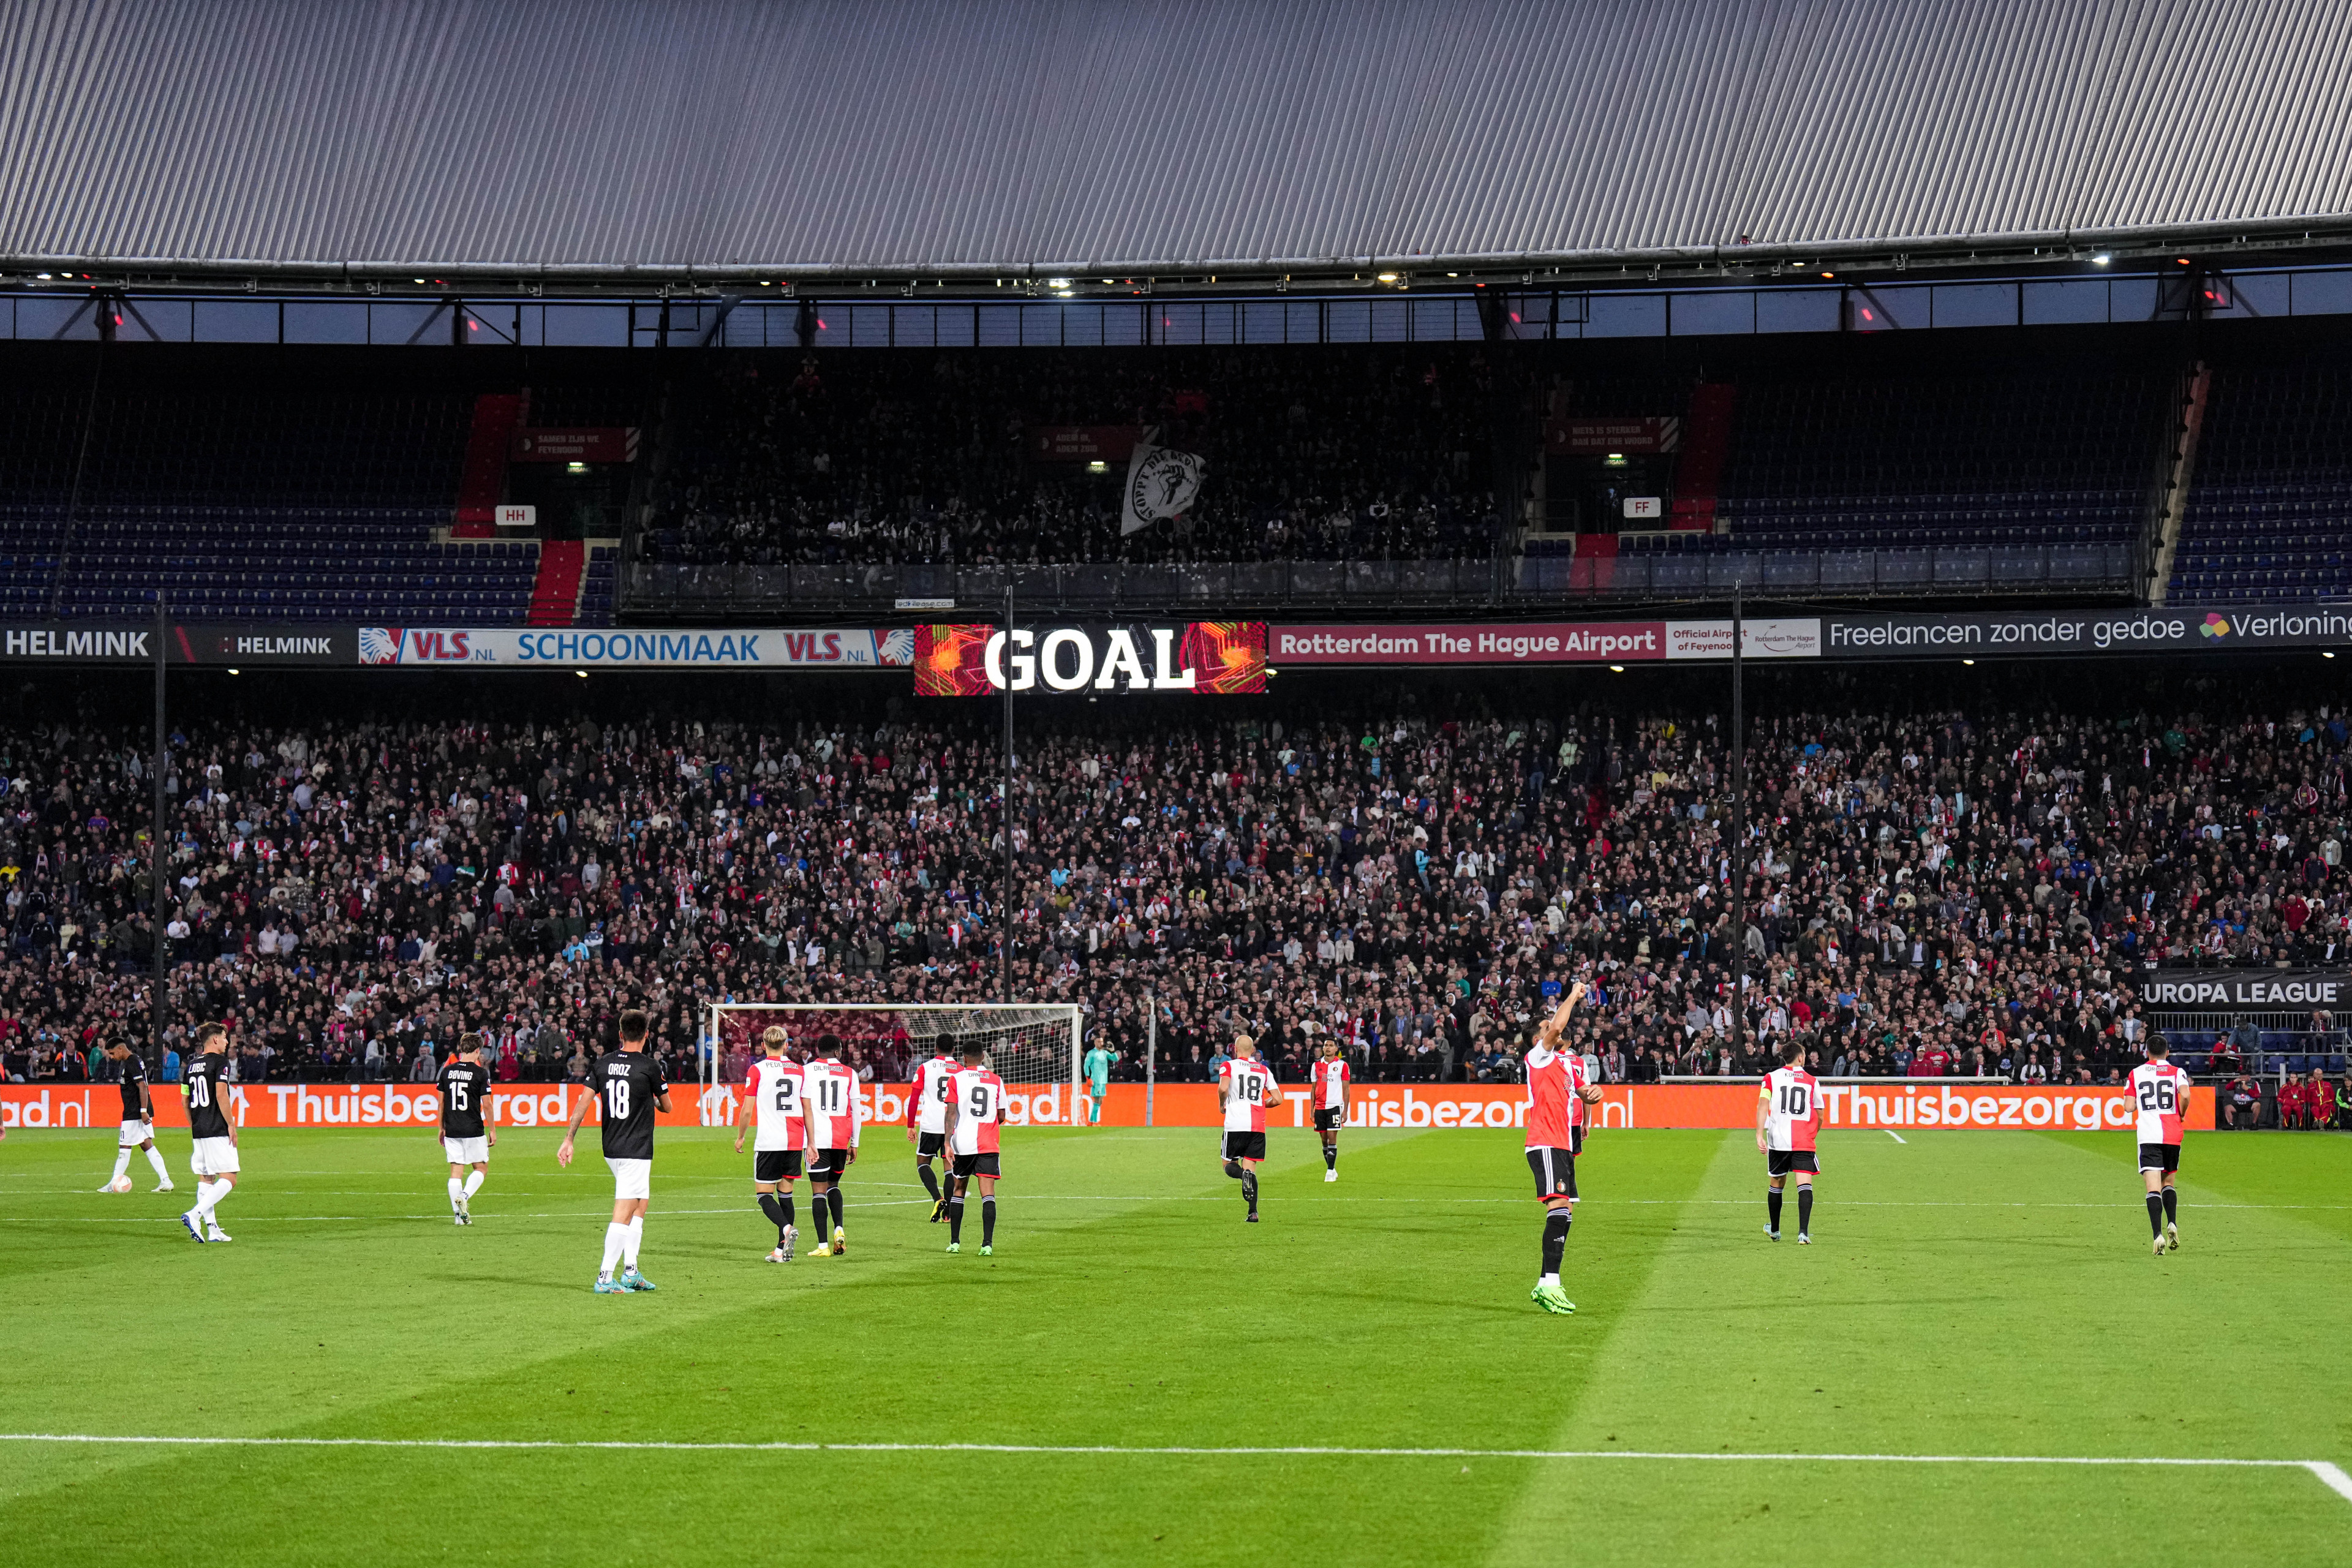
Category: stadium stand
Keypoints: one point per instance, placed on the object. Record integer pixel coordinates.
(1901, 464)
(1343, 454)
(325, 493)
(1964, 888)
(2267, 517)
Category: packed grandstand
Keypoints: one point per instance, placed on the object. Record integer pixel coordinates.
(1940, 884)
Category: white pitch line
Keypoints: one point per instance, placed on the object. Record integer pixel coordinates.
(1896, 1136)
(2328, 1474)
(1310, 1198)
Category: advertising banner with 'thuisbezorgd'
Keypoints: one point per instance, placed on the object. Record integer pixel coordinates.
(1910, 1104)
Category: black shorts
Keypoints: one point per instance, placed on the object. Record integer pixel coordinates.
(2164, 1157)
(930, 1143)
(1555, 1171)
(776, 1165)
(975, 1165)
(1781, 1162)
(827, 1164)
(1327, 1120)
(1244, 1145)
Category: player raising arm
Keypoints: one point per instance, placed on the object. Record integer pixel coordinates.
(138, 1123)
(1097, 1070)
(213, 1158)
(1246, 1087)
(1788, 1118)
(465, 1138)
(1556, 1096)
(926, 1123)
(629, 1087)
(772, 1095)
(975, 1111)
(2160, 1097)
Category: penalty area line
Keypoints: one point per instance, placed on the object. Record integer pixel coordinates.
(2329, 1475)
(1897, 1136)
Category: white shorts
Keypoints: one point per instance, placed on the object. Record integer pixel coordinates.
(631, 1178)
(136, 1132)
(214, 1157)
(467, 1150)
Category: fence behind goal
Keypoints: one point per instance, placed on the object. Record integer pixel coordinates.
(1031, 1045)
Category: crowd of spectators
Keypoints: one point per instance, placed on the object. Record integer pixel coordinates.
(1958, 890)
(1368, 454)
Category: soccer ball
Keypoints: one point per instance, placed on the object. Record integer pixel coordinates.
(120, 1185)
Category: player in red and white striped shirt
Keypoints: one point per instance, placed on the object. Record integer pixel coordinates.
(927, 1119)
(1788, 1116)
(835, 1119)
(1556, 1096)
(2160, 1098)
(1328, 1077)
(772, 1099)
(975, 1111)
(1246, 1087)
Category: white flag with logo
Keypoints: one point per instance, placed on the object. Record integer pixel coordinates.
(1161, 483)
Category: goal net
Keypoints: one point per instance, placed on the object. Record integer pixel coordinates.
(1029, 1045)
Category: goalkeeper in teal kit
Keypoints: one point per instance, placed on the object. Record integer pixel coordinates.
(1098, 1075)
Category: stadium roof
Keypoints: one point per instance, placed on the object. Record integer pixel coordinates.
(962, 137)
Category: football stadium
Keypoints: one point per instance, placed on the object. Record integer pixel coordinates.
(1187, 783)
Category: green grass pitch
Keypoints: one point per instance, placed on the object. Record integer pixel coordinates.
(1977, 1294)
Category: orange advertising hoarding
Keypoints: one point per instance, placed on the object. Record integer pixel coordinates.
(1922, 1104)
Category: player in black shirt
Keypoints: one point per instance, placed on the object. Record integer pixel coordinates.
(465, 1086)
(215, 1157)
(627, 1087)
(138, 1122)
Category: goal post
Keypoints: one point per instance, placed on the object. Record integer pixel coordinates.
(1031, 1046)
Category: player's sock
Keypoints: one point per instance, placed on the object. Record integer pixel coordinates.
(1233, 1169)
(457, 1195)
(955, 1219)
(1249, 1189)
(775, 1213)
(208, 1197)
(1772, 1206)
(615, 1235)
(1555, 1241)
(834, 1194)
(784, 1202)
(2171, 1205)
(988, 1222)
(474, 1180)
(1805, 1209)
(930, 1182)
(121, 1164)
(155, 1158)
(2155, 1214)
(634, 1239)
(1330, 1156)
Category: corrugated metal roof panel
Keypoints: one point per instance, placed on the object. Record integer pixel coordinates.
(609, 133)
